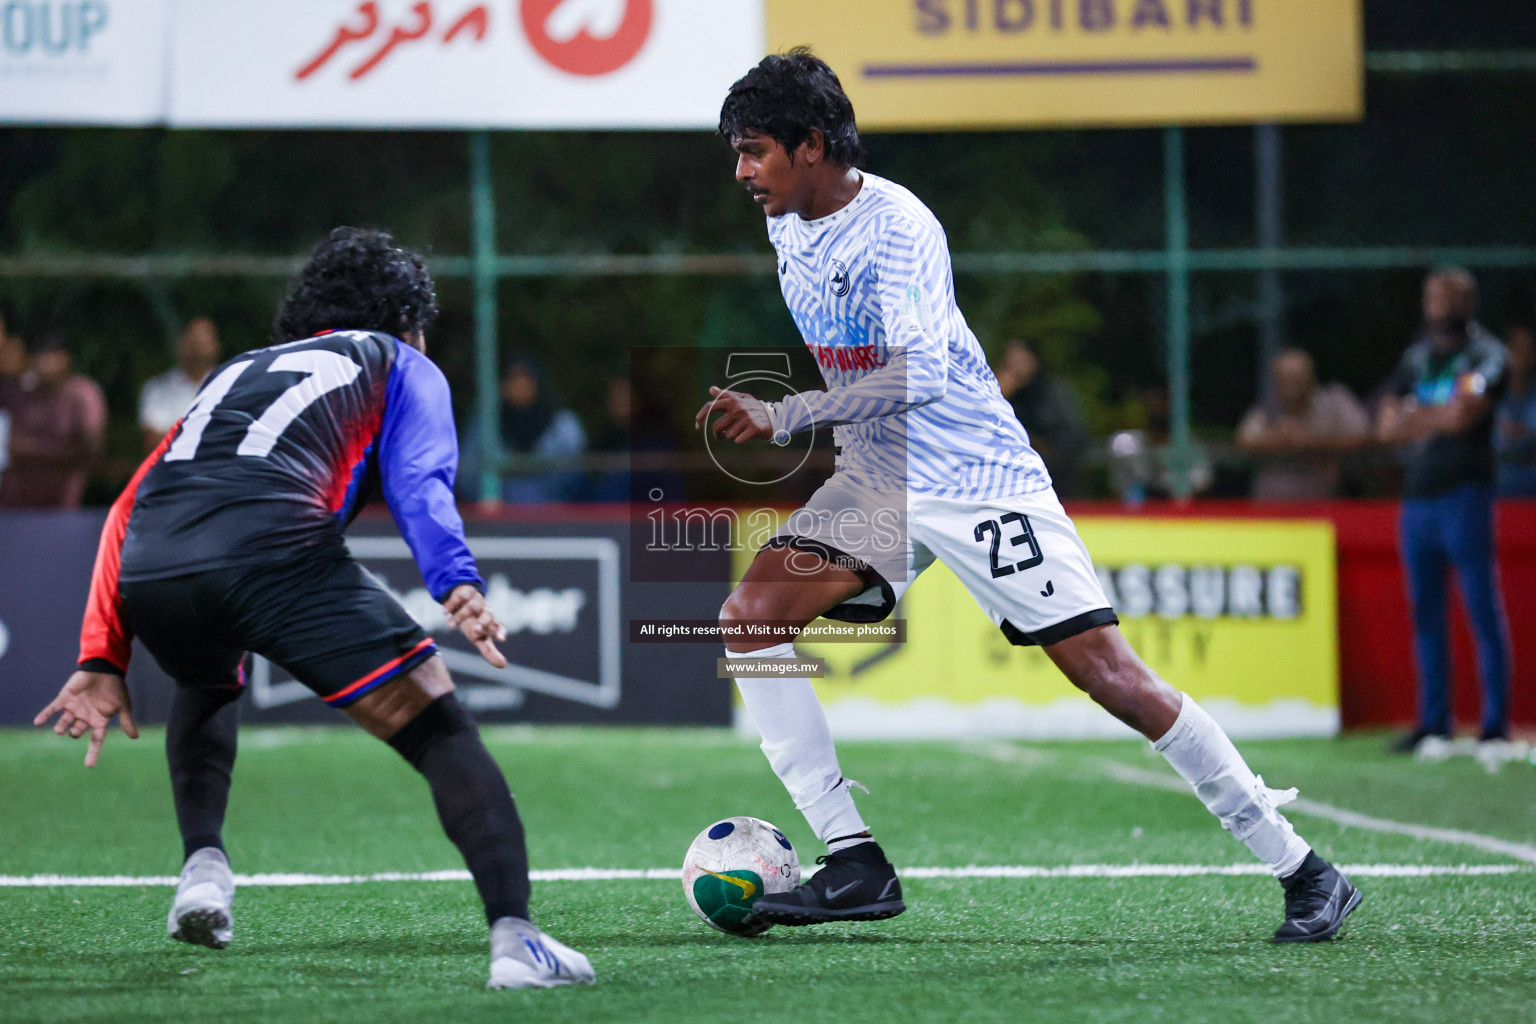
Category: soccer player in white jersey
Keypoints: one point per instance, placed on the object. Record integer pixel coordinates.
(933, 465)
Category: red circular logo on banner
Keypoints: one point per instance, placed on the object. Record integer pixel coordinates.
(587, 37)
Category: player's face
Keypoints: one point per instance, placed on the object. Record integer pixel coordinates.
(764, 167)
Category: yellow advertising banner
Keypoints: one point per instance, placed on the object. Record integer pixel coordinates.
(924, 64)
(1239, 613)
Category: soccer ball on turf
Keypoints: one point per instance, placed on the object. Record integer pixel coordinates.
(730, 865)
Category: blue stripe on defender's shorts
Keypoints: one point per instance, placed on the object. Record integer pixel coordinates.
(383, 674)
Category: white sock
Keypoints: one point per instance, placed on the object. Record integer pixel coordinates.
(1200, 751)
(799, 748)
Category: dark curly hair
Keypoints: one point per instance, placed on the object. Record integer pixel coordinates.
(358, 279)
(785, 97)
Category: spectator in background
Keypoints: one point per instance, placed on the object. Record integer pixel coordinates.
(1514, 437)
(1299, 442)
(1438, 407)
(1049, 410)
(57, 420)
(612, 483)
(1142, 462)
(13, 363)
(165, 398)
(13, 354)
(534, 427)
(640, 437)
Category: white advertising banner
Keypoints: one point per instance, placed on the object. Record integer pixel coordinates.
(83, 61)
(459, 63)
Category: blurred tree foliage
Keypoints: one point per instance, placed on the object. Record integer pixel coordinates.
(273, 193)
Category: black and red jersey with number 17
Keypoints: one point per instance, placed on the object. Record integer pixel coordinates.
(275, 457)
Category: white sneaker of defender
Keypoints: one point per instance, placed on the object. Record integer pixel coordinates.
(1437, 748)
(1495, 754)
(201, 913)
(524, 957)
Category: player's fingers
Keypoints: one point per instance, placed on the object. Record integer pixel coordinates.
(49, 711)
(98, 737)
(489, 629)
(491, 653)
(467, 609)
(89, 720)
(727, 423)
(126, 723)
(66, 718)
(457, 602)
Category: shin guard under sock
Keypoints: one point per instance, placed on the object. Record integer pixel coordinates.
(799, 747)
(1200, 751)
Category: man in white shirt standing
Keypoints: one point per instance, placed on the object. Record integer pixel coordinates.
(165, 398)
(933, 465)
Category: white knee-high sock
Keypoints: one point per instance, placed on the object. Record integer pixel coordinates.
(1200, 751)
(799, 747)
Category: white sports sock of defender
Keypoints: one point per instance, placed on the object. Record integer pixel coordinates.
(1200, 751)
(799, 747)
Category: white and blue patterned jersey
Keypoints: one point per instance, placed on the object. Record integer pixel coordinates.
(909, 394)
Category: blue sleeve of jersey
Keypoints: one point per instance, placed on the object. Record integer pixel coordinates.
(418, 457)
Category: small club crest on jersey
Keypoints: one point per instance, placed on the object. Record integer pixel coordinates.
(840, 280)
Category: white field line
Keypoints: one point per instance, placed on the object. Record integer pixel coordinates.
(1490, 844)
(674, 874)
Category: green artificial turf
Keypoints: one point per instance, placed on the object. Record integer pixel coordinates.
(1056, 949)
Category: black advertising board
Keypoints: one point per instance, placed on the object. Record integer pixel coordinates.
(563, 590)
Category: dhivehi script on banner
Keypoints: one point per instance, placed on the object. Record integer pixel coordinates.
(1240, 613)
(460, 63)
(915, 64)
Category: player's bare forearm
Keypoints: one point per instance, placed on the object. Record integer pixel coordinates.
(87, 703)
(469, 614)
(742, 417)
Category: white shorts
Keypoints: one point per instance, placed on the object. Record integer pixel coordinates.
(1019, 556)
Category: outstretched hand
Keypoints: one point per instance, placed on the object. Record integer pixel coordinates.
(469, 614)
(87, 703)
(743, 416)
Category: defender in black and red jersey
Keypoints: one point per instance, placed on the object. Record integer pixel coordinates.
(228, 540)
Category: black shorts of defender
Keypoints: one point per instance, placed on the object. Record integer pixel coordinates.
(323, 618)
(878, 600)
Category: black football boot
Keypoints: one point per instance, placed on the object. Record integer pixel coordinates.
(1317, 899)
(854, 884)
